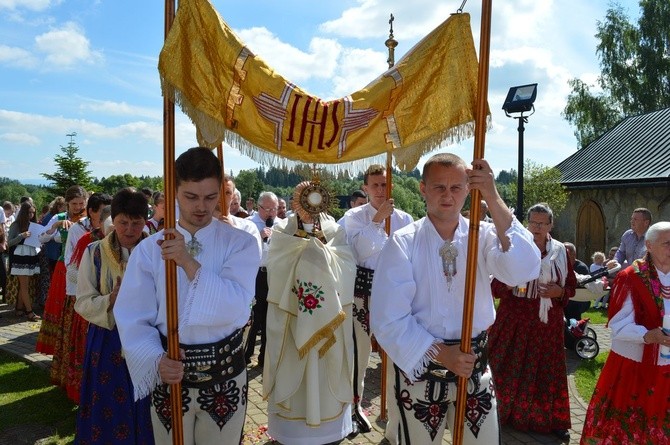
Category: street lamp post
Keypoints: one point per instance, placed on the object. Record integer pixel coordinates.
(520, 100)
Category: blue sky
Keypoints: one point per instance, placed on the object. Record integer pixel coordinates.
(90, 67)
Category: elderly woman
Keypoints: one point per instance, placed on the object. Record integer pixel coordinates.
(630, 402)
(526, 339)
(108, 413)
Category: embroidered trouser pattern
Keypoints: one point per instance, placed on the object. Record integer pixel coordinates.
(361, 317)
(427, 407)
(212, 415)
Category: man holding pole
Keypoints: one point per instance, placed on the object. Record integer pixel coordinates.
(416, 307)
(216, 271)
(366, 236)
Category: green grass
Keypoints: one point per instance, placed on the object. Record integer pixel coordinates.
(597, 316)
(586, 375)
(27, 398)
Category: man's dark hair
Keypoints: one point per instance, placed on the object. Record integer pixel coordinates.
(197, 164)
(147, 192)
(130, 202)
(96, 201)
(357, 194)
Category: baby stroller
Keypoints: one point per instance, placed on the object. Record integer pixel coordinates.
(580, 337)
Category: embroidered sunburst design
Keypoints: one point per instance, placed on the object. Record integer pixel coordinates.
(309, 295)
(478, 406)
(220, 401)
(161, 401)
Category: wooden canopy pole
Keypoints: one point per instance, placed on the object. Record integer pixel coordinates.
(222, 198)
(390, 43)
(473, 234)
(170, 265)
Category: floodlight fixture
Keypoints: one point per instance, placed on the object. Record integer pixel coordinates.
(520, 99)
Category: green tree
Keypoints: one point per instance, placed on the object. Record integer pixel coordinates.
(248, 184)
(635, 71)
(115, 183)
(542, 184)
(71, 170)
(11, 190)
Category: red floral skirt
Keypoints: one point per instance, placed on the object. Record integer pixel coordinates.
(527, 358)
(63, 346)
(53, 309)
(629, 405)
(77, 350)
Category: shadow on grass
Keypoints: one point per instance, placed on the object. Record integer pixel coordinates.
(587, 373)
(30, 406)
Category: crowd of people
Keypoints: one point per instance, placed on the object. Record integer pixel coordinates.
(317, 296)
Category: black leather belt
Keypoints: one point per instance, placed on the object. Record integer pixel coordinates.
(363, 283)
(212, 363)
(439, 373)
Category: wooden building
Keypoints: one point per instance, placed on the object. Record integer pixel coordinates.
(626, 168)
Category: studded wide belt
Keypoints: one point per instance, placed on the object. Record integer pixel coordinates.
(439, 373)
(209, 364)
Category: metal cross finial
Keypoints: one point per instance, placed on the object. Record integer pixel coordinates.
(391, 43)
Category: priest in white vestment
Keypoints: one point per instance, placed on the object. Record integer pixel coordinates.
(309, 355)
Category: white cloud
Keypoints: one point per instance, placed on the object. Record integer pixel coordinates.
(20, 138)
(32, 5)
(290, 62)
(17, 57)
(66, 47)
(370, 19)
(36, 124)
(120, 109)
(356, 69)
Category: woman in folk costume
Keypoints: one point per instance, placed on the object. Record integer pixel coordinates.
(23, 259)
(73, 360)
(526, 340)
(63, 348)
(309, 356)
(51, 328)
(108, 412)
(630, 401)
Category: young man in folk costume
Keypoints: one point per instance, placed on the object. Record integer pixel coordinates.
(416, 306)
(366, 234)
(216, 271)
(309, 354)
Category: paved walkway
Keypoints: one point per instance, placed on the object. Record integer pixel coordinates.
(18, 337)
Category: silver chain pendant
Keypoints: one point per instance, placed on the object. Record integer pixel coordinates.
(194, 247)
(448, 252)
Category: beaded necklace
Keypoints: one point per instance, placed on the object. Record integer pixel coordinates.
(646, 270)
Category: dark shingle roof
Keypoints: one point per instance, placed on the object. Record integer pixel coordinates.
(636, 151)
